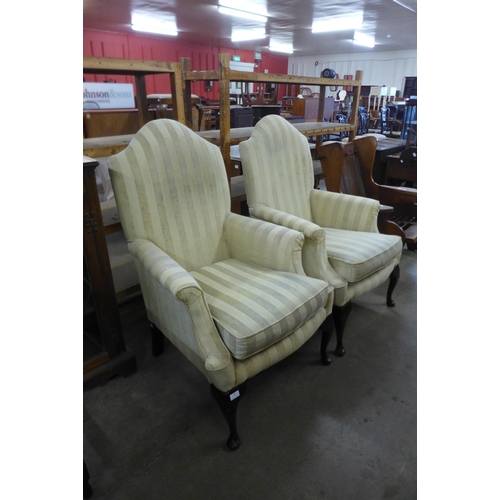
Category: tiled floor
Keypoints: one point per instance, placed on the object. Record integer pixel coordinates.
(344, 431)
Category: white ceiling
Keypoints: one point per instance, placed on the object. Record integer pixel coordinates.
(198, 21)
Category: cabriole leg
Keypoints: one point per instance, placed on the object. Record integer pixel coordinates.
(228, 404)
(340, 315)
(392, 284)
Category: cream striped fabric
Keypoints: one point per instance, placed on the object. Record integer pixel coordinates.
(278, 174)
(250, 367)
(254, 307)
(173, 198)
(356, 255)
(258, 242)
(342, 211)
(171, 188)
(277, 148)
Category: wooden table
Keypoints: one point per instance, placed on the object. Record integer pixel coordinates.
(385, 148)
(106, 146)
(306, 128)
(99, 147)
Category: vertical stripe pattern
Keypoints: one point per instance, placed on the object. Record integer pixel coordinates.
(275, 156)
(171, 188)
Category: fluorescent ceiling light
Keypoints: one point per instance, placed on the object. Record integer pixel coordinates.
(364, 40)
(148, 24)
(337, 24)
(150, 29)
(252, 34)
(243, 14)
(287, 48)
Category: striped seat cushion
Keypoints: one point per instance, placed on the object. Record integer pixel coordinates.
(356, 254)
(254, 307)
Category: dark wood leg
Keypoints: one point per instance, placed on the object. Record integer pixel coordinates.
(340, 315)
(157, 340)
(392, 284)
(228, 403)
(327, 331)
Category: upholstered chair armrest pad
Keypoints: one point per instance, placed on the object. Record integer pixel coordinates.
(163, 268)
(344, 211)
(310, 229)
(258, 242)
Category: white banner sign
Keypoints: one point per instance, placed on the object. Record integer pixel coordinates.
(108, 96)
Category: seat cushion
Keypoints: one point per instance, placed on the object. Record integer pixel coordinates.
(356, 255)
(254, 307)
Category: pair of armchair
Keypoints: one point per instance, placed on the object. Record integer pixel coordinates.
(237, 294)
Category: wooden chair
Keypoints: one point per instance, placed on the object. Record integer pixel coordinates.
(401, 168)
(347, 168)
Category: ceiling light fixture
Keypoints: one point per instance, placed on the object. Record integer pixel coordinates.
(287, 48)
(147, 24)
(243, 14)
(157, 31)
(337, 24)
(364, 40)
(241, 35)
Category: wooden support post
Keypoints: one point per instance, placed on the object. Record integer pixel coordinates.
(225, 119)
(185, 68)
(321, 110)
(176, 82)
(142, 101)
(355, 106)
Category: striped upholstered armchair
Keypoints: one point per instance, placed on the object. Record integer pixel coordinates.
(343, 245)
(228, 291)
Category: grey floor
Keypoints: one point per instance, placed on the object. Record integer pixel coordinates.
(344, 431)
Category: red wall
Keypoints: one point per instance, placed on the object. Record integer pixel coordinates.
(202, 57)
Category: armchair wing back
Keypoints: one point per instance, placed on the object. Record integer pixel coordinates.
(176, 197)
(284, 159)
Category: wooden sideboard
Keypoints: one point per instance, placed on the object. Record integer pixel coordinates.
(308, 108)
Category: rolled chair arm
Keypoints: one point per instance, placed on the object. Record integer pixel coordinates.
(183, 316)
(259, 242)
(344, 211)
(314, 259)
(163, 268)
(310, 229)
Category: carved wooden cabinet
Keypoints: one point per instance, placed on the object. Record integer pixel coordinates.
(104, 350)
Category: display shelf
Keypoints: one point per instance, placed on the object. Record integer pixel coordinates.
(226, 136)
(139, 69)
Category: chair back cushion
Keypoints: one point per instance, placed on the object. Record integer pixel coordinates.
(171, 188)
(277, 167)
